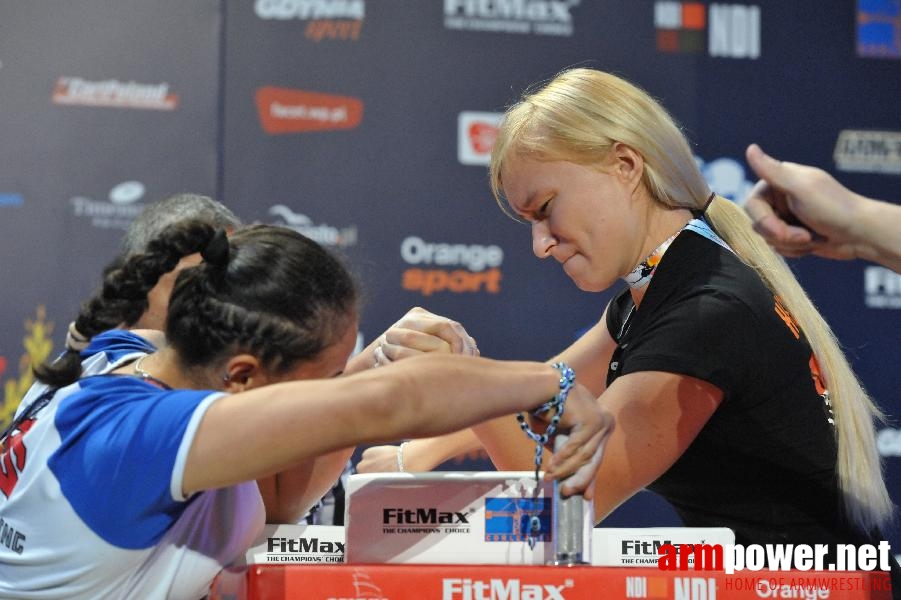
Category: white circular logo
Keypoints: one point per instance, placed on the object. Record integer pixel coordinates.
(127, 192)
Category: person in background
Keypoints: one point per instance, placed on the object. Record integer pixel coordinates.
(152, 221)
(140, 481)
(801, 210)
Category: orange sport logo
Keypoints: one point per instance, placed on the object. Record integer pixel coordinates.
(296, 111)
(461, 268)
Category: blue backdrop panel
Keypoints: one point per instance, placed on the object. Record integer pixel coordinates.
(106, 106)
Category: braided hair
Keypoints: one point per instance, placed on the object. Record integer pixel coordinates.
(123, 296)
(268, 291)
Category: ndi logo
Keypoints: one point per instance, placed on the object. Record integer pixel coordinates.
(734, 31)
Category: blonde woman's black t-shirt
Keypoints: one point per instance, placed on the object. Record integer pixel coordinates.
(764, 464)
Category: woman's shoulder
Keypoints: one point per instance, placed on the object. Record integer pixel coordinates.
(117, 343)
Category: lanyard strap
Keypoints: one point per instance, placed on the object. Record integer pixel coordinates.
(641, 275)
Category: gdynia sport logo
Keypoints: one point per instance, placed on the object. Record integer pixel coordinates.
(772, 557)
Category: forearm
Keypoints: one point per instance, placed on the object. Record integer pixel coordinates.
(507, 446)
(436, 394)
(419, 397)
(427, 453)
(879, 233)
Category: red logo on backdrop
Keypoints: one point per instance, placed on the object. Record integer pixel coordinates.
(77, 91)
(295, 111)
(476, 135)
(482, 136)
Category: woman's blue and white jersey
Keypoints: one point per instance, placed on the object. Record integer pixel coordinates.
(91, 501)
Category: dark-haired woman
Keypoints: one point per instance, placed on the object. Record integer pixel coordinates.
(139, 483)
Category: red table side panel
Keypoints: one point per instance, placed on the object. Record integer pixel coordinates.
(495, 582)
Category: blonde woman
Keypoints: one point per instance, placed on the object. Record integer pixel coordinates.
(731, 396)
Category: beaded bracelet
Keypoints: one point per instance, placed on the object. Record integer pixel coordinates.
(558, 404)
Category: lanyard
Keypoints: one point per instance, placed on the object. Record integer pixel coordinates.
(641, 275)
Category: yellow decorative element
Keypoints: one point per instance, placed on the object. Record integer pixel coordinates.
(38, 346)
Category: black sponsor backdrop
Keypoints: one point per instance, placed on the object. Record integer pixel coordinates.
(396, 175)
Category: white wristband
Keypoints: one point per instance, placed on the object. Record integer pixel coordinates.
(400, 457)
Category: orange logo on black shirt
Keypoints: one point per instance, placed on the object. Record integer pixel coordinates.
(787, 318)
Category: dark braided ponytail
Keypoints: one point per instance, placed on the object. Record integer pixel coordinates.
(123, 296)
(266, 290)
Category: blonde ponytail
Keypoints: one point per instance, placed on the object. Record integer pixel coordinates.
(866, 500)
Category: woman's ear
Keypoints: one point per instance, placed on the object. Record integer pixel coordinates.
(628, 164)
(242, 372)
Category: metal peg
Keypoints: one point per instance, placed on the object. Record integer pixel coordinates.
(569, 519)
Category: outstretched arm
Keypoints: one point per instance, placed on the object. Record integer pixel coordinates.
(418, 455)
(587, 356)
(419, 397)
(802, 210)
(657, 416)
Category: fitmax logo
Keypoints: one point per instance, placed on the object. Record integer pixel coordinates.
(651, 547)
(421, 516)
(304, 545)
(500, 589)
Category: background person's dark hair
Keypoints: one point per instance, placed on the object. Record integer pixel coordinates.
(268, 291)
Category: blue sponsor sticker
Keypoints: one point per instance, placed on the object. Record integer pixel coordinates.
(878, 29)
(508, 519)
(11, 199)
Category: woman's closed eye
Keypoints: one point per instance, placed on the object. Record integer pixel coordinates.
(541, 212)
